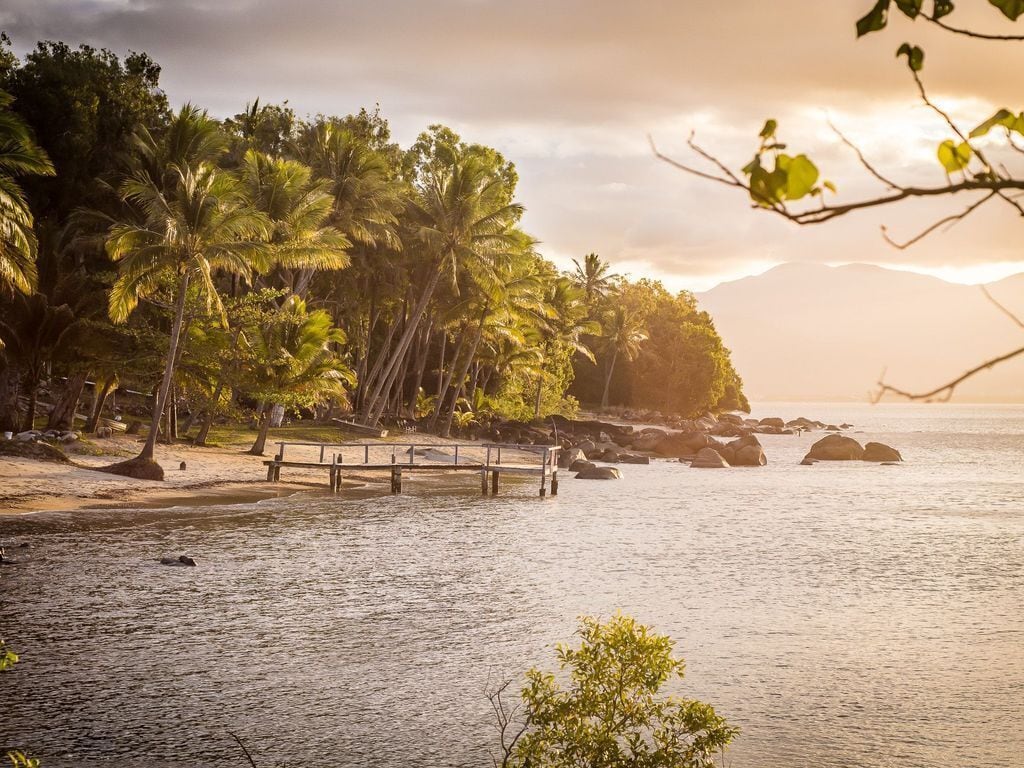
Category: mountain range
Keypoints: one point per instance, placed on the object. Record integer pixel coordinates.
(811, 332)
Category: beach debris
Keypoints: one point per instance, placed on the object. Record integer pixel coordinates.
(181, 560)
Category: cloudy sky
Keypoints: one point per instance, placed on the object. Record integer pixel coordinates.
(570, 89)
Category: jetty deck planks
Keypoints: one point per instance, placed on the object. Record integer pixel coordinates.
(399, 459)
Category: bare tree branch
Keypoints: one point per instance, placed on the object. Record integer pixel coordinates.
(1009, 200)
(951, 219)
(1001, 307)
(949, 120)
(694, 171)
(863, 161)
(246, 751)
(971, 33)
(945, 392)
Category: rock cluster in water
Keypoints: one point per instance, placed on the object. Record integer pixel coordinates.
(842, 448)
(702, 443)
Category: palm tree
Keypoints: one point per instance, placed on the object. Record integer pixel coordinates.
(19, 156)
(366, 199)
(193, 221)
(296, 363)
(33, 332)
(506, 297)
(298, 210)
(623, 334)
(566, 329)
(593, 277)
(460, 214)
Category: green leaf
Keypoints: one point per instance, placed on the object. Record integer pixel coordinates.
(1002, 117)
(910, 8)
(764, 186)
(1011, 8)
(954, 157)
(801, 176)
(942, 8)
(915, 56)
(874, 20)
(769, 129)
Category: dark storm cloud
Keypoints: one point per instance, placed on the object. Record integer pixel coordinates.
(569, 89)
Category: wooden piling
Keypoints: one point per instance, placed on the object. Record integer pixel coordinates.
(494, 483)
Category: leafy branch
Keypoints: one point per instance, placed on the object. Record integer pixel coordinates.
(774, 180)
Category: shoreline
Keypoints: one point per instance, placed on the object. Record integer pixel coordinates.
(214, 476)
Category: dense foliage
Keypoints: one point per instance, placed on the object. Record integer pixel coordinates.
(611, 710)
(233, 267)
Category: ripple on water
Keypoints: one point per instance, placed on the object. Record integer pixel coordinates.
(840, 614)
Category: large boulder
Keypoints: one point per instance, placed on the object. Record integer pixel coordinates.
(648, 439)
(708, 458)
(706, 422)
(836, 448)
(600, 473)
(880, 452)
(746, 452)
(743, 452)
(731, 418)
(581, 466)
(681, 444)
(568, 456)
(633, 458)
(772, 421)
(610, 456)
(728, 429)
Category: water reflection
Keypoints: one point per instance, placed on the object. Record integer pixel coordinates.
(840, 615)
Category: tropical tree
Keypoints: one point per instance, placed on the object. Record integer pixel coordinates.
(623, 333)
(295, 364)
(593, 277)
(19, 156)
(193, 221)
(33, 332)
(298, 209)
(460, 211)
(566, 331)
(611, 713)
(366, 197)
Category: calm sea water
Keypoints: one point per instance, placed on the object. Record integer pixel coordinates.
(840, 615)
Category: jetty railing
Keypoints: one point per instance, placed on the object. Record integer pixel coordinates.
(491, 460)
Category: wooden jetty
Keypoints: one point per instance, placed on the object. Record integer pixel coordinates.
(491, 460)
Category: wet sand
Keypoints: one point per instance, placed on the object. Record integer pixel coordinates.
(213, 476)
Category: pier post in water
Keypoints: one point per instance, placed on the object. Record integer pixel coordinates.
(483, 482)
(494, 483)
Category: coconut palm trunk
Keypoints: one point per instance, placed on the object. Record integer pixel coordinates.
(376, 404)
(62, 416)
(608, 378)
(149, 449)
(261, 438)
(463, 370)
(209, 415)
(442, 392)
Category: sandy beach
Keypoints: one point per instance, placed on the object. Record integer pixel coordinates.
(226, 474)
